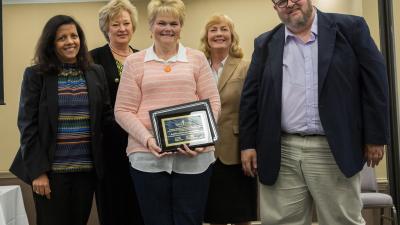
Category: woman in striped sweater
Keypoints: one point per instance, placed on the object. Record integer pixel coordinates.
(63, 107)
(171, 188)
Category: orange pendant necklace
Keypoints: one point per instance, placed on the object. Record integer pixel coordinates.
(167, 68)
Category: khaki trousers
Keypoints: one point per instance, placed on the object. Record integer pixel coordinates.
(309, 177)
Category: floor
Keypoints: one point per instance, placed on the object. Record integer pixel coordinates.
(369, 215)
(258, 223)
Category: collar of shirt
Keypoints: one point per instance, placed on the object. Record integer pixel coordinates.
(314, 30)
(217, 73)
(180, 56)
(222, 63)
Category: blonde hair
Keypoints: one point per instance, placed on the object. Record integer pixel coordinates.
(111, 10)
(165, 7)
(235, 50)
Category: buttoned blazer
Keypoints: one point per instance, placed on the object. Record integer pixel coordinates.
(38, 119)
(230, 87)
(352, 94)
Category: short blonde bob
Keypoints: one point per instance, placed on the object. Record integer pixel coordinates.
(235, 50)
(113, 9)
(174, 8)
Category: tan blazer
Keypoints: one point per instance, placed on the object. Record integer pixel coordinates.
(230, 87)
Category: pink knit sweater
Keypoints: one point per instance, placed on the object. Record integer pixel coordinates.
(146, 86)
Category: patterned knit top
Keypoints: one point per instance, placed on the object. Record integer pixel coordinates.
(120, 67)
(73, 152)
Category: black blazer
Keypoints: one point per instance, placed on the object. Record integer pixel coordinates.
(37, 121)
(352, 92)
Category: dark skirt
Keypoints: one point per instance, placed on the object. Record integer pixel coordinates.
(232, 196)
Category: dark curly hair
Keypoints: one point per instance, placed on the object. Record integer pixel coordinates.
(45, 55)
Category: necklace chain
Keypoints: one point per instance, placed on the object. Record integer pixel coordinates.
(119, 54)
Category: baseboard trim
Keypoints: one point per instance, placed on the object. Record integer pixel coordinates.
(383, 183)
(6, 175)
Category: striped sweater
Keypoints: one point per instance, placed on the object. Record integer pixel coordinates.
(146, 86)
(73, 152)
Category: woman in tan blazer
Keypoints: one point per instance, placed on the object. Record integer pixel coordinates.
(232, 196)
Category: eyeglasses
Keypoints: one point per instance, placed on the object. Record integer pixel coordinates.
(283, 3)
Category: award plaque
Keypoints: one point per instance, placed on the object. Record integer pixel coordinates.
(192, 124)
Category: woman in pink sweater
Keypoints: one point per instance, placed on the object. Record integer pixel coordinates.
(171, 188)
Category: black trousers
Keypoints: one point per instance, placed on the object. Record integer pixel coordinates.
(70, 202)
(172, 199)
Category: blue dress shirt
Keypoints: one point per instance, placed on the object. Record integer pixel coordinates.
(300, 84)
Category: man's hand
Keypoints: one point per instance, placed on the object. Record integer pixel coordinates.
(41, 185)
(249, 162)
(374, 154)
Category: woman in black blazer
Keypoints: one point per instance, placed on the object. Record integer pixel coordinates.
(63, 108)
(117, 22)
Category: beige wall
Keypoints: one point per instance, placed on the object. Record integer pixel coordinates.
(23, 24)
(353, 7)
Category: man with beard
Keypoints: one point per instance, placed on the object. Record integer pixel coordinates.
(314, 109)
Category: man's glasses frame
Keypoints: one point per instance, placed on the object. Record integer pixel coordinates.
(283, 3)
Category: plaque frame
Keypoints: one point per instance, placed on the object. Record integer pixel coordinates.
(190, 123)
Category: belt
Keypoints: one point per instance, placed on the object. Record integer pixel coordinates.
(304, 135)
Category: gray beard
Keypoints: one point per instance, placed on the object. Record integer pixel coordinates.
(303, 21)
